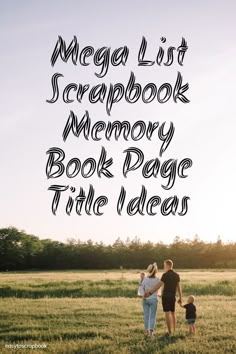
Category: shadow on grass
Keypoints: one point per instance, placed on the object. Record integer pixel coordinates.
(154, 344)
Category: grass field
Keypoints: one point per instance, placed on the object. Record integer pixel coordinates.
(98, 312)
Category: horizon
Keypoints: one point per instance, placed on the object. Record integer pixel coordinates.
(128, 239)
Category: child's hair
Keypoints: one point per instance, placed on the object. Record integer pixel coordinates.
(169, 262)
(191, 298)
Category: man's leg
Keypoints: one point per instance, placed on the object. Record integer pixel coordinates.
(173, 320)
(168, 321)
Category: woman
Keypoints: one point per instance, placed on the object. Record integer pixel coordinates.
(150, 303)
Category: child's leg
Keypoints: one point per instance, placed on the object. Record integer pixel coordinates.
(192, 328)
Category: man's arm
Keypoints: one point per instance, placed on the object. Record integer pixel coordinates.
(179, 290)
(158, 286)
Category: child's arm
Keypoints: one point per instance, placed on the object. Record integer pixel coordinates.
(180, 304)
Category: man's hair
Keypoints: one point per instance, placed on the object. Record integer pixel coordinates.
(169, 262)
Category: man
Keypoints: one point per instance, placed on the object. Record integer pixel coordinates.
(171, 282)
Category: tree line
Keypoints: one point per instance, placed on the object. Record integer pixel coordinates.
(21, 251)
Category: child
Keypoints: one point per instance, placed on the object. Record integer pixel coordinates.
(190, 313)
(140, 288)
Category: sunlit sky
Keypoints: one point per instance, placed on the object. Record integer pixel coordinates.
(204, 128)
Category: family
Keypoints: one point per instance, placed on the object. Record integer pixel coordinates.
(170, 283)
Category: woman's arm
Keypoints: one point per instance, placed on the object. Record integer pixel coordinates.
(153, 290)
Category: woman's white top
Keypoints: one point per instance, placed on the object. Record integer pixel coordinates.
(148, 284)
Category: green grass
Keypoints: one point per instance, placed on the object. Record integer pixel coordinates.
(44, 307)
(106, 284)
(105, 288)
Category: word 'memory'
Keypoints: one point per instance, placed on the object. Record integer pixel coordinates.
(104, 56)
(86, 203)
(134, 160)
(117, 129)
(132, 92)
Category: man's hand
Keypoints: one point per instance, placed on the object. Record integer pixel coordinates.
(180, 301)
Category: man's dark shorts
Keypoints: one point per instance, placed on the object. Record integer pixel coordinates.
(168, 303)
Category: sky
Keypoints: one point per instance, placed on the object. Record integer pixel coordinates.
(204, 128)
